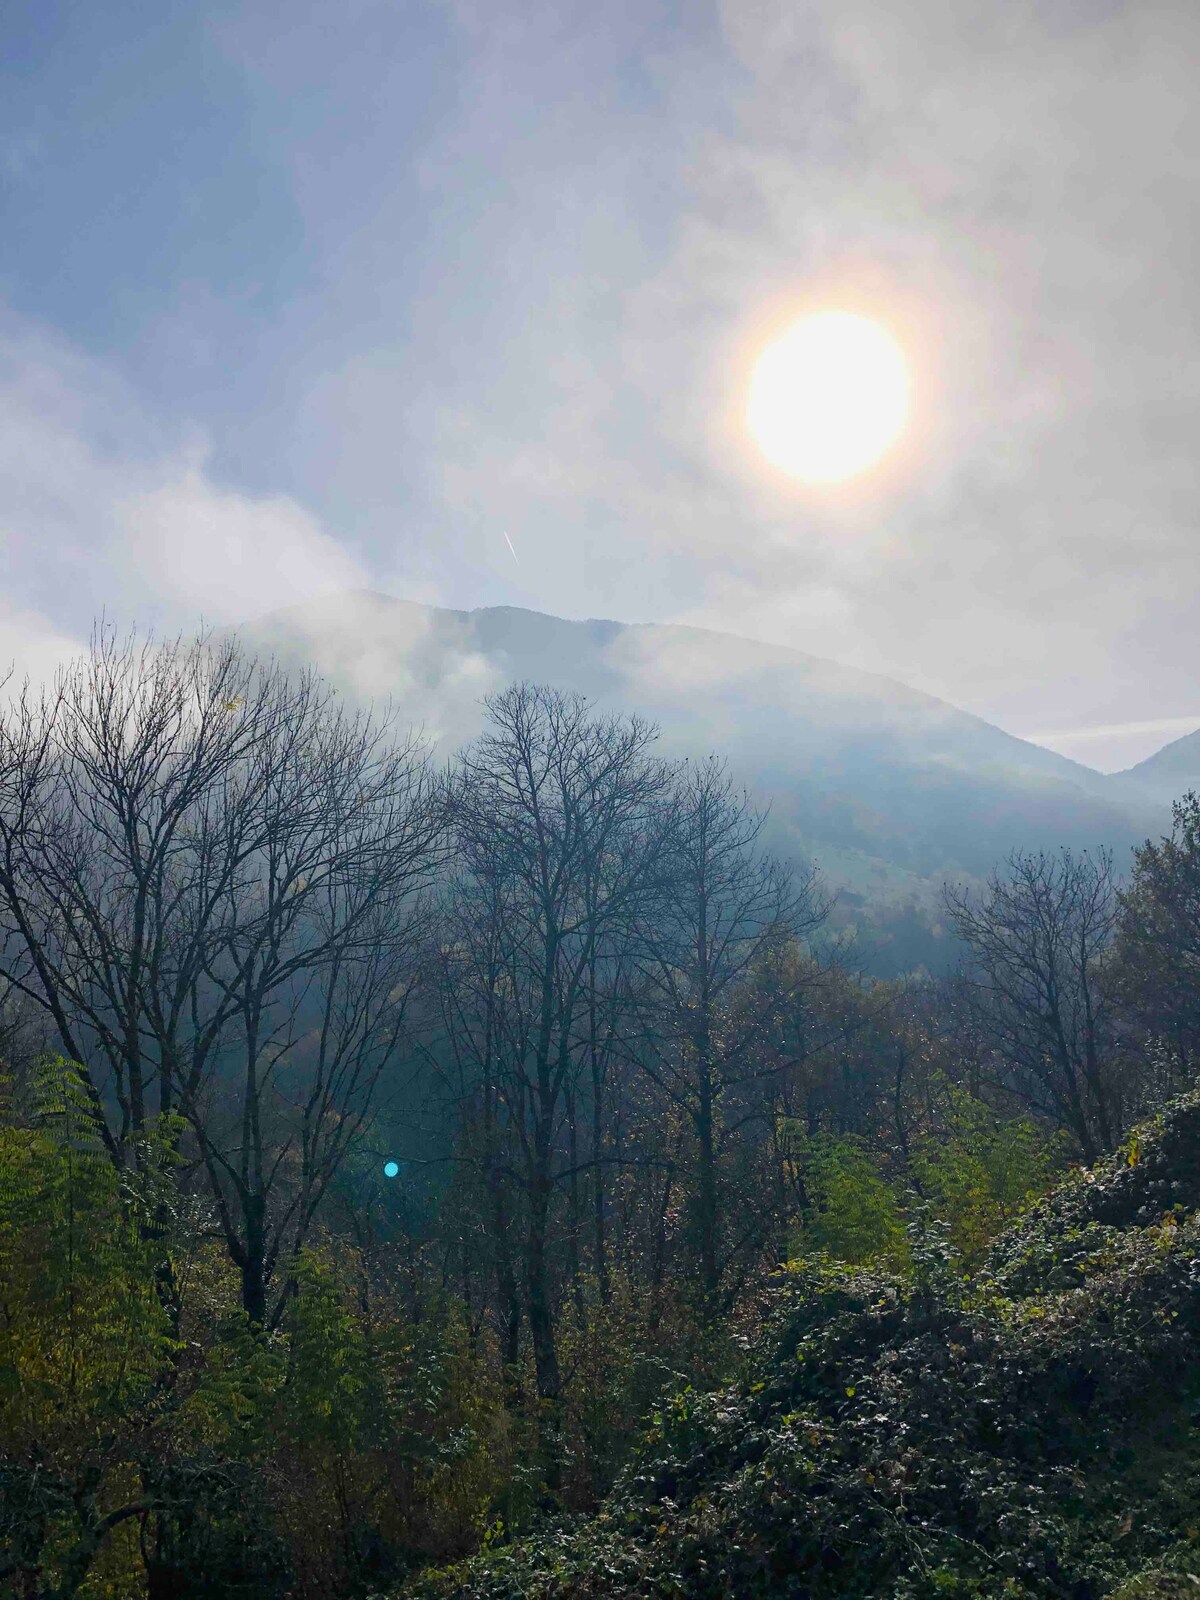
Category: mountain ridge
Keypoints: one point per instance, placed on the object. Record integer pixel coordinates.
(610, 628)
(1169, 771)
(891, 790)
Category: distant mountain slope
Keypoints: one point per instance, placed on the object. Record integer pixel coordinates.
(1169, 772)
(891, 790)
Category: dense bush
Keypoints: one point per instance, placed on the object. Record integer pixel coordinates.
(151, 1436)
(1031, 1430)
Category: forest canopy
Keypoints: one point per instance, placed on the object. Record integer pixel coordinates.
(393, 1159)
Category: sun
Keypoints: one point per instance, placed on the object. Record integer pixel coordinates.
(829, 397)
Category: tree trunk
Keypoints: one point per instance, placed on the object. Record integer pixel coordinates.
(253, 1262)
(541, 1320)
(575, 1221)
(541, 1331)
(706, 1188)
(599, 1230)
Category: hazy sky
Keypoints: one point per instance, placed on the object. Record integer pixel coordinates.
(295, 297)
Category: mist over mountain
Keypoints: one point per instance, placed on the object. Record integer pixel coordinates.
(891, 791)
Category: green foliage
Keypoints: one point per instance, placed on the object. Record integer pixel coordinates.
(1027, 1435)
(899, 1426)
(392, 1425)
(84, 1338)
(980, 1172)
(229, 1409)
(854, 1213)
(147, 1429)
(83, 1334)
(972, 1170)
(329, 1395)
(627, 1354)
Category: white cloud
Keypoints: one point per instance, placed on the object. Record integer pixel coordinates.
(102, 510)
(422, 664)
(1009, 188)
(224, 555)
(31, 647)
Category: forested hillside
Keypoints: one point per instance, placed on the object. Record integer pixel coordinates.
(1169, 771)
(889, 789)
(501, 1178)
(1029, 1429)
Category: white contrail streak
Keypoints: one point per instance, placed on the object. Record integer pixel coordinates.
(1176, 725)
(513, 553)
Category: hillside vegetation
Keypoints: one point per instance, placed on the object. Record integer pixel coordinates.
(505, 1177)
(1033, 1429)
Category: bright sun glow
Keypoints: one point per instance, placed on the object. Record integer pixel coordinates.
(829, 397)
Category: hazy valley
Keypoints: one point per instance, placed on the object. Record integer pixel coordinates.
(890, 791)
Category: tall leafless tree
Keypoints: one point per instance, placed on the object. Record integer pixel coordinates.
(210, 882)
(1039, 936)
(724, 906)
(561, 843)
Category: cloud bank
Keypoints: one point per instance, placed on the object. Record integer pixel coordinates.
(456, 274)
(102, 511)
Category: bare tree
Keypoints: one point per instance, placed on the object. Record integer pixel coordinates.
(561, 843)
(1038, 938)
(479, 1023)
(210, 881)
(723, 907)
(1158, 954)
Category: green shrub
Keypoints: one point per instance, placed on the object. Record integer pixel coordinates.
(854, 1213)
(914, 1436)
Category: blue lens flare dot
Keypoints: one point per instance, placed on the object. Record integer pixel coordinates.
(391, 1169)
